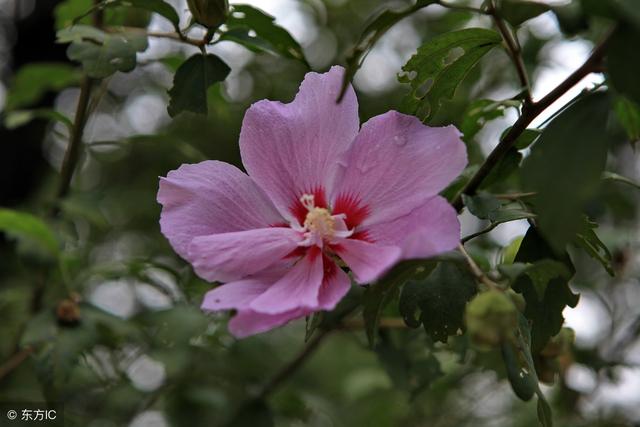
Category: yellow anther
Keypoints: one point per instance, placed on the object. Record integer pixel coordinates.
(320, 221)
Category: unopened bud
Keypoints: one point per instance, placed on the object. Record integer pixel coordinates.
(68, 312)
(210, 13)
(491, 317)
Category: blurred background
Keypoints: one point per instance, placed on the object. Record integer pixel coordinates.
(143, 355)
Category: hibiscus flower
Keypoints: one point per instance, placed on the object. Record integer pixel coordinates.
(319, 192)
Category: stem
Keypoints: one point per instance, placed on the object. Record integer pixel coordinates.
(162, 35)
(15, 361)
(461, 8)
(485, 230)
(73, 150)
(294, 364)
(513, 49)
(477, 271)
(529, 113)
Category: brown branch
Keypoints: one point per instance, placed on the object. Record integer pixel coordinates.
(15, 361)
(529, 113)
(477, 271)
(513, 50)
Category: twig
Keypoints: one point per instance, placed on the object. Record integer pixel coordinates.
(15, 361)
(514, 196)
(528, 115)
(461, 8)
(294, 364)
(73, 150)
(513, 49)
(161, 35)
(477, 271)
(485, 230)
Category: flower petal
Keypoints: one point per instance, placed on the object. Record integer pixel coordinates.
(231, 256)
(249, 322)
(234, 295)
(368, 261)
(426, 231)
(293, 149)
(210, 197)
(395, 165)
(298, 288)
(335, 285)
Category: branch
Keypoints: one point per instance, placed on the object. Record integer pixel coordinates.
(529, 113)
(161, 35)
(15, 361)
(477, 271)
(513, 49)
(294, 364)
(73, 150)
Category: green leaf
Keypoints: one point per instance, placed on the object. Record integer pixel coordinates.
(588, 240)
(15, 119)
(612, 176)
(374, 29)
(623, 63)
(545, 287)
(481, 205)
(312, 323)
(518, 11)
(526, 138)
(68, 11)
(191, 82)
(628, 115)
(440, 298)
(440, 65)
(257, 31)
(478, 114)
(519, 362)
(563, 187)
(102, 54)
(30, 231)
(160, 7)
(35, 80)
(377, 296)
(544, 410)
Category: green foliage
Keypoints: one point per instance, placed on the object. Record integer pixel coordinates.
(440, 65)
(33, 81)
(439, 299)
(257, 31)
(517, 12)
(377, 296)
(490, 318)
(160, 7)
(374, 29)
(628, 114)
(32, 234)
(623, 62)
(545, 287)
(15, 119)
(563, 188)
(67, 11)
(210, 13)
(591, 243)
(192, 81)
(486, 206)
(100, 53)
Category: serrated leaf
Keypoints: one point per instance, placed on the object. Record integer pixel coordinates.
(32, 233)
(544, 312)
(66, 12)
(35, 80)
(191, 82)
(257, 31)
(440, 300)
(376, 27)
(591, 243)
(517, 12)
(377, 296)
(102, 54)
(563, 187)
(440, 65)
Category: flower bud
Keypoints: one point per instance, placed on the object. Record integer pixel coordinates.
(491, 317)
(210, 13)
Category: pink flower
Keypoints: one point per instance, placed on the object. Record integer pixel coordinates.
(318, 188)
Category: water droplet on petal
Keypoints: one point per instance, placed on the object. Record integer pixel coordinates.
(400, 140)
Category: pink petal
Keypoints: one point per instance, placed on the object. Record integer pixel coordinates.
(334, 287)
(293, 149)
(234, 295)
(298, 288)
(210, 197)
(395, 165)
(231, 256)
(248, 322)
(367, 261)
(429, 230)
